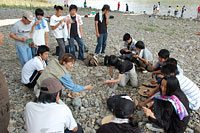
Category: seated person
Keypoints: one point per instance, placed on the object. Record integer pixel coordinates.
(124, 121)
(173, 108)
(34, 67)
(126, 71)
(59, 70)
(174, 61)
(47, 115)
(189, 88)
(144, 56)
(129, 44)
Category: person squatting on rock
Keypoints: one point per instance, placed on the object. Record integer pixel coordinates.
(126, 71)
(39, 31)
(20, 32)
(123, 109)
(60, 70)
(75, 31)
(101, 22)
(171, 107)
(34, 67)
(46, 115)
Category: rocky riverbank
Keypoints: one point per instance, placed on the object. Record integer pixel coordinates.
(176, 35)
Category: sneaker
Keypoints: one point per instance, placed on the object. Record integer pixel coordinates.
(96, 55)
(145, 71)
(103, 54)
(154, 129)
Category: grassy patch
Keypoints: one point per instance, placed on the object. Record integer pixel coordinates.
(170, 33)
(153, 25)
(149, 29)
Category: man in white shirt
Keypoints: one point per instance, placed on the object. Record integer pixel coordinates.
(34, 67)
(40, 31)
(58, 26)
(47, 115)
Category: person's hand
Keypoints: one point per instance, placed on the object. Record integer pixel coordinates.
(36, 22)
(106, 14)
(106, 81)
(24, 39)
(89, 87)
(135, 56)
(69, 21)
(97, 34)
(153, 73)
(112, 85)
(151, 93)
(61, 21)
(141, 104)
(147, 111)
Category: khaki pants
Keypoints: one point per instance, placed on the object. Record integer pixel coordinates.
(130, 75)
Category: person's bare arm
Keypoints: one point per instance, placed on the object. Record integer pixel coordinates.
(23, 39)
(46, 38)
(107, 22)
(111, 71)
(75, 129)
(156, 72)
(96, 28)
(56, 26)
(114, 81)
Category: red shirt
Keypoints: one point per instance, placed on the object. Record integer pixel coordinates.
(199, 9)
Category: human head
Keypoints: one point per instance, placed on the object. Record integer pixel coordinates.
(106, 8)
(124, 108)
(169, 6)
(111, 60)
(171, 61)
(169, 69)
(43, 52)
(127, 38)
(68, 61)
(39, 13)
(27, 17)
(169, 85)
(163, 55)
(59, 10)
(177, 6)
(159, 3)
(139, 45)
(50, 90)
(73, 9)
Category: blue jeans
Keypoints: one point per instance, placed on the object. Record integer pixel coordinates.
(24, 53)
(34, 51)
(80, 45)
(80, 130)
(101, 42)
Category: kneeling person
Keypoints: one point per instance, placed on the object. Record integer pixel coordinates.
(48, 116)
(34, 67)
(126, 71)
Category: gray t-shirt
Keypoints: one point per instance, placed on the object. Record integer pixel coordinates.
(158, 64)
(21, 30)
(146, 54)
(131, 46)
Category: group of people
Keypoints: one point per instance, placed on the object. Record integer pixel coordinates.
(118, 6)
(173, 96)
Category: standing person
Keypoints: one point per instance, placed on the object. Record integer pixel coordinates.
(20, 32)
(46, 115)
(58, 26)
(157, 8)
(198, 12)
(85, 4)
(176, 11)
(154, 9)
(39, 30)
(183, 9)
(126, 7)
(101, 22)
(75, 31)
(169, 11)
(4, 100)
(65, 3)
(118, 6)
(34, 67)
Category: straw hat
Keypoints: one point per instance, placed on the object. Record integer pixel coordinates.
(143, 91)
(149, 84)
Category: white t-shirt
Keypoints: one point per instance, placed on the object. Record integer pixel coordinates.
(48, 118)
(58, 32)
(30, 66)
(39, 34)
(191, 90)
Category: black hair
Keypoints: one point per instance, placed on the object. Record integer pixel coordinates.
(58, 8)
(140, 45)
(48, 98)
(171, 61)
(42, 49)
(172, 85)
(169, 69)
(73, 7)
(106, 7)
(126, 36)
(164, 53)
(38, 12)
(111, 60)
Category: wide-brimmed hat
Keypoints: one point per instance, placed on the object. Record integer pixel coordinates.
(144, 91)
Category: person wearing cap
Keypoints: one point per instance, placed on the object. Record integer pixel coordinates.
(101, 22)
(60, 70)
(123, 122)
(20, 32)
(4, 100)
(46, 115)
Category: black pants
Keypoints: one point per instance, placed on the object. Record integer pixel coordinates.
(33, 79)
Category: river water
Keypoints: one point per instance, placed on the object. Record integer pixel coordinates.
(139, 6)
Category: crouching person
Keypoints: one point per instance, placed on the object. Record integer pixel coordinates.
(34, 67)
(126, 71)
(48, 116)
